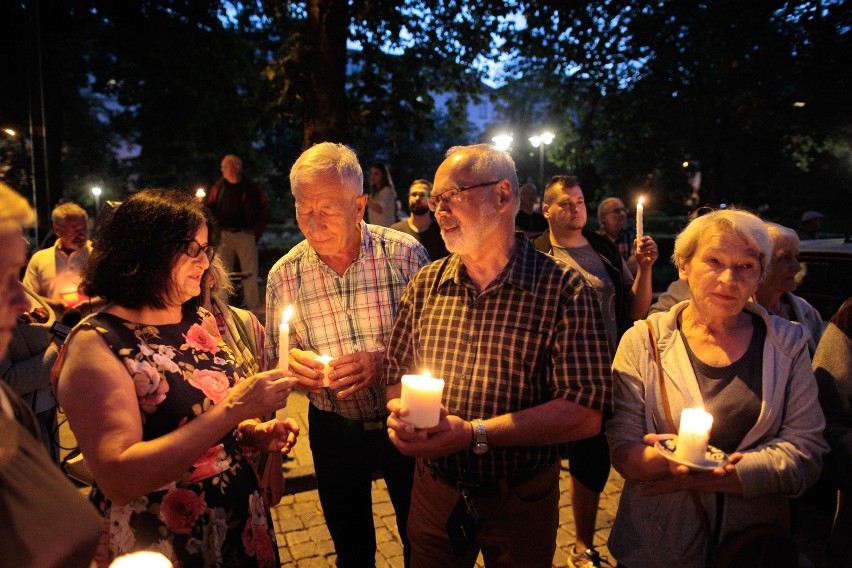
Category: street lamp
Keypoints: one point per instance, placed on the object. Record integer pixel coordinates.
(96, 191)
(502, 141)
(540, 141)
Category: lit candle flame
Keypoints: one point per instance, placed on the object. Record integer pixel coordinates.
(285, 317)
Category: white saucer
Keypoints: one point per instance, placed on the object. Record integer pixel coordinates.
(713, 458)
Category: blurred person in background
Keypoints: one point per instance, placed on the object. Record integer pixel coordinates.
(242, 210)
(612, 215)
(750, 371)
(54, 273)
(833, 371)
(381, 201)
(421, 223)
(45, 520)
(26, 367)
(810, 224)
(529, 219)
(246, 337)
(158, 404)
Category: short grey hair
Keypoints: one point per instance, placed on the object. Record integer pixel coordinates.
(781, 235)
(602, 205)
(328, 158)
(67, 210)
(488, 161)
(14, 207)
(745, 225)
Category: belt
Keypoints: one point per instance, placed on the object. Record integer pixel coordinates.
(489, 488)
(373, 425)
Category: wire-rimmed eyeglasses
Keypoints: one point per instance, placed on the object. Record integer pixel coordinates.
(193, 248)
(455, 195)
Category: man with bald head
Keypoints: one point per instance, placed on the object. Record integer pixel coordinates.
(518, 339)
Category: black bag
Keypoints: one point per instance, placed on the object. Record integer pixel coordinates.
(760, 546)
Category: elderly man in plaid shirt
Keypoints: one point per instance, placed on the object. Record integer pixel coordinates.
(344, 282)
(519, 340)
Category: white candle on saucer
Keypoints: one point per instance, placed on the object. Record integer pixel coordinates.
(694, 435)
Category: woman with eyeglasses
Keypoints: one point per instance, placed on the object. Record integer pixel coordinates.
(158, 404)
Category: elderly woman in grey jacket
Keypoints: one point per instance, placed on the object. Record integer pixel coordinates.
(750, 371)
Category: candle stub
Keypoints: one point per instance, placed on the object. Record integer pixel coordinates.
(421, 395)
(693, 435)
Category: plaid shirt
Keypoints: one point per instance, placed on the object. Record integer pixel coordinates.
(338, 315)
(533, 335)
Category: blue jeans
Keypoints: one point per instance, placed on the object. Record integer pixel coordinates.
(345, 456)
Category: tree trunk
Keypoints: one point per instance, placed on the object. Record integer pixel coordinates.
(325, 100)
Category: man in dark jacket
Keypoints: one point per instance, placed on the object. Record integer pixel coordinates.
(242, 209)
(622, 300)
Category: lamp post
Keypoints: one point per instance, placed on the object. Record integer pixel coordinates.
(502, 141)
(540, 141)
(96, 191)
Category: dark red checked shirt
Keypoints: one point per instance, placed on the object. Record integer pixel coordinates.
(533, 335)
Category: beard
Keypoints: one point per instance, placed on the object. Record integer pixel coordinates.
(466, 239)
(418, 208)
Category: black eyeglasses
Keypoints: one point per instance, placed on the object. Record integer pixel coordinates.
(455, 195)
(193, 248)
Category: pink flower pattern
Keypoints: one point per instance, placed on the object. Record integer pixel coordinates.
(180, 509)
(211, 514)
(214, 384)
(200, 339)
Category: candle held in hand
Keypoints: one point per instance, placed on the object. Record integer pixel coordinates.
(284, 337)
(640, 229)
(421, 395)
(326, 369)
(694, 435)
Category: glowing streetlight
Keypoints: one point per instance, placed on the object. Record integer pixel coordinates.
(502, 141)
(96, 191)
(11, 132)
(200, 194)
(540, 141)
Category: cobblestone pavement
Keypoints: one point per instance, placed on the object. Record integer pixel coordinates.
(304, 541)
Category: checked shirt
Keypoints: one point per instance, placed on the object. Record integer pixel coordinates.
(338, 315)
(533, 335)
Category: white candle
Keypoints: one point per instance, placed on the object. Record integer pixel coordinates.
(640, 212)
(326, 369)
(421, 395)
(284, 337)
(141, 559)
(694, 435)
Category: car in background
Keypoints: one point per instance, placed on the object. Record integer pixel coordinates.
(826, 277)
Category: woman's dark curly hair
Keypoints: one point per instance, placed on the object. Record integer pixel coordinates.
(134, 249)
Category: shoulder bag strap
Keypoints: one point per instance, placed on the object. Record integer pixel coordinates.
(696, 500)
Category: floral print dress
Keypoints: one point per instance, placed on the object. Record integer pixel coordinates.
(213, 515)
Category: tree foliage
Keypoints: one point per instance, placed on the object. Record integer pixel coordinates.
(714, 84)
(154, 92)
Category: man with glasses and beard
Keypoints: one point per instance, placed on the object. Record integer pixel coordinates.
(519, 341)
(421, 224)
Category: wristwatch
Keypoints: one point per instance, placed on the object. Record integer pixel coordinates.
(480, 439)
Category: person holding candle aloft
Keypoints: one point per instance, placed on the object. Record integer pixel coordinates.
(622, 299)
(344, 282)
(750, 371)
(157, 400)
(519, 341)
